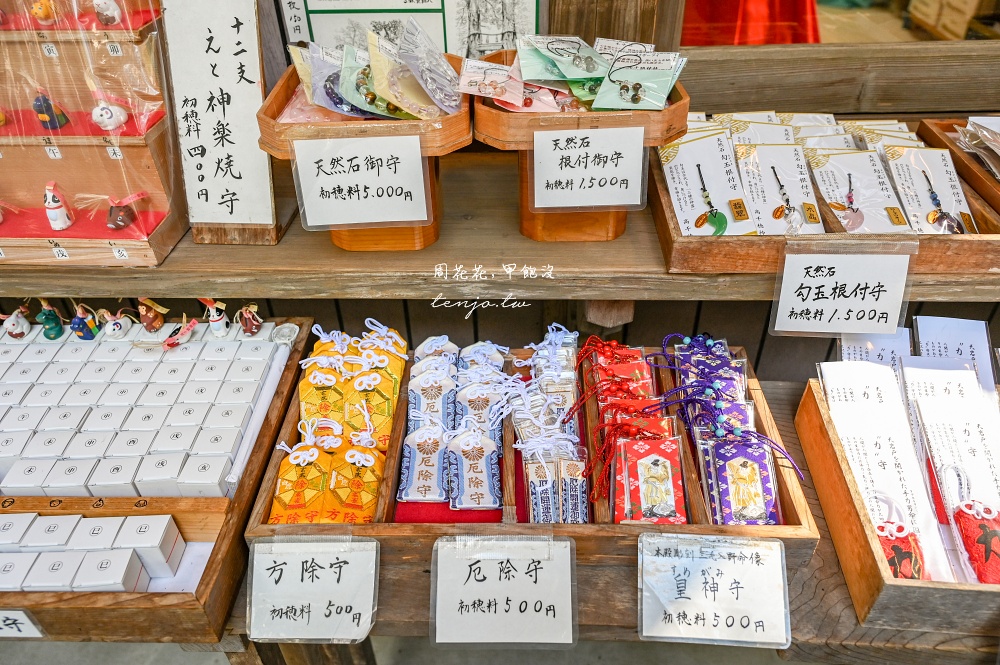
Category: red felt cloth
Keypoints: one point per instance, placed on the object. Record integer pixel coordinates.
(24, 122)
(981, 539)
(734, 22)
(32, 223)
(131, 20)
(411, 512)
(905, 558)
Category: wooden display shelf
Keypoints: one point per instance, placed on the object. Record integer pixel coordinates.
(165, 617)
(606, 553)
(938, 134)
(881, 600)
(958, 254)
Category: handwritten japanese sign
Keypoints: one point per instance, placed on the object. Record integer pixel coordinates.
(217, 88)
(840, 293)
(589, 168)
(16, 624)
(713, 590)
(315, 589)
(503, 591)
(360, 181)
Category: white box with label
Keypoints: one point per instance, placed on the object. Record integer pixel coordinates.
(13, 526)
(199, 392)
(53, 571)
(205, 475)
(95, 533)
(160, 394)
(88, 445)
(11, 446)
(111, 351)
(215, 350)
(64, 417)
(39, 353)
(146, 353)
(98, 372)
(146, 418)
(48, 444)
(157, 475)
(44, 394)
(111, 570)
(176, 372)
(14, 567)
(130, 444)
(174, 439)
(188, 414)
(218, 441)
(187, 352)
(9, 352)
(256, 350)
(157, 541)
(114, 476)
(208, 370)
(106, 418)
(11, 394)
(75, 352)
(238, 392)
(247, 370)
(20, 418)
(229, 415)
(60, 373)
(49, 533)
(82, 394)
(22, 372)
(69, 477)
(135, 371)
(26, 476)
(121, 394)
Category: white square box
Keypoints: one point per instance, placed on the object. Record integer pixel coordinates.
(27, 339)
(64, 417)
(247, 370)
(216, 350)
(188, 414)
(13, 526)
(48, 444)
(172, 372)
(95, 533)
(160, 395)
(187, 352)
(88, 445)
(145, 354)
(229, 415)
(39, 353)
(199, 332)
(111, 570)
(11, 446)
(11, 394)
(204, 475)
(60, 373)
(98, 372)
(69, 477)
(256, 350)
(26, 476)
(143, 336)
(174, 439)
(21, 372)
(121, 394)
(106, 418)
(199, 392)
(53, 571)
(82, 394)
(111, 351)
(14, 567)
(157, 541)
(206, 370)
(49, 533)
(158, 474)
(146, 418)
(135, 371)
(80, 352)
(130, 444)
(10, 352)
(44, 394)
(19, 418)
(114, 476)
(218, 441)
(264, 334)
(238, 392)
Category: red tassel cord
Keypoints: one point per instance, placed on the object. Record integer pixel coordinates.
(978, 526)
(901, 550)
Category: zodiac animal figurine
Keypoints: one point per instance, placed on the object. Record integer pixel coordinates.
(108, 116)
(59, 214)
(215, 312)
(51, 320)
(117, 326)
(44, 12)
(49, 114)
(16, 324)
(108, 12)
(180, 333)
(151, 315)
(249, 320)
(86, 323)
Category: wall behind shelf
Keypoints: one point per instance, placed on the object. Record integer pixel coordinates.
(742, 323)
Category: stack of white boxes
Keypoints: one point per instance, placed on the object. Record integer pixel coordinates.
(74, 553)
(109, 418)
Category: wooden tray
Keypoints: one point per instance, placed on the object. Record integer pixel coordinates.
(606, 554)
(939, 254)
(880, 599)
(507, 130)
(936, 133)
(437, 137)
(165, 617)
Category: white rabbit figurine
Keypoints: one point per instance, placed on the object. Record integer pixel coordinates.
(108, 12)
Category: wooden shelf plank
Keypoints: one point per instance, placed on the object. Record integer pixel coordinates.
(480, 227)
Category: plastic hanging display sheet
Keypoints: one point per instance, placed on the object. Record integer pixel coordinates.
(312, 589)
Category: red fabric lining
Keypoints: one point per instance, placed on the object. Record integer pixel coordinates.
(24, 122)
(131, 20)
(32, 223)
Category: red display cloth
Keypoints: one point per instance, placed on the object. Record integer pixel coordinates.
(88, 225)
(24, 122)
(411, 512)
(131, 21)
(736, 22)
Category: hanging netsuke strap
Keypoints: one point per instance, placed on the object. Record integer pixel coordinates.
(566, 48)
(713, 217)
(853, 218)
(787, 211)
(938, 217)
(627, 90)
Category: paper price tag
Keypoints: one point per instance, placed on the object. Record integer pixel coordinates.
(831, 294)
(313, 590)
(17, 624)
(589, 167)
(503, 591)
(360, 181)
(713, 590)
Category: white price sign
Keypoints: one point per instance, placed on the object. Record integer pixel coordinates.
(313, 589)
(503, 591)
(831, 294)
(360, 181)
(17, 624)
(583, 168)
(713, 590)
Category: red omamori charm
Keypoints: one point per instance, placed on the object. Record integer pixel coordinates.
(979, 527)
(902, 551)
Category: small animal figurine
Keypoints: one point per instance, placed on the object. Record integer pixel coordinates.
(44, 12)
(16, 324)
(108, 116)
(86, 324)
(215, 312)
(59, 214)
(249, 320)
(108, 12)
(117, 326)
(180, 333)
(52, 322)
(50, 115)
(151, 315)
(120, 216)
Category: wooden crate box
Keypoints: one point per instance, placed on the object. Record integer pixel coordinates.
(881, 600)
(164, 617)
(939, 133)
(606, 554)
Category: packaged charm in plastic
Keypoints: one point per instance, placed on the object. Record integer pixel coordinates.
(474, 472)
(395, 82)
(637, 80)
(422, 471)
(431, 68)
(574, 58)
(325, 70)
